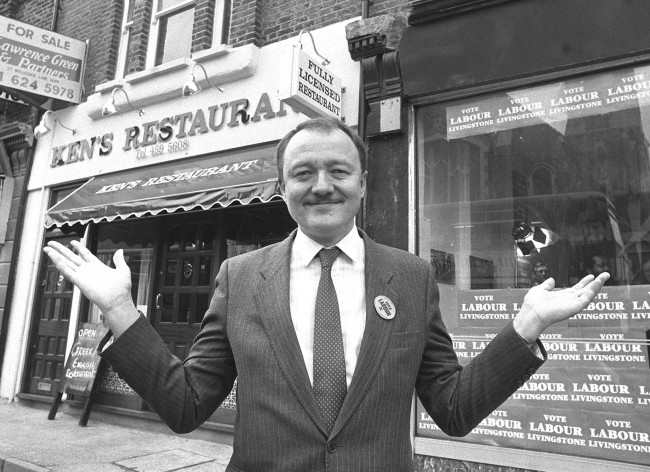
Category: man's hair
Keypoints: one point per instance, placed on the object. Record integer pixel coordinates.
(539, 264)
(327, 126)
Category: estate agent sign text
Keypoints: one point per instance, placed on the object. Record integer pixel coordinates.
(40, 61)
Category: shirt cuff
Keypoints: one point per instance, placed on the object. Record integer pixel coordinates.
(532, 345)
(110, 339)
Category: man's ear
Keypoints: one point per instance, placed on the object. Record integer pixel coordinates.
(282, 188)
(364, 177)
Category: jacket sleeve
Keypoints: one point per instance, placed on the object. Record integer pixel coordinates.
(183, 393)
(458, 398)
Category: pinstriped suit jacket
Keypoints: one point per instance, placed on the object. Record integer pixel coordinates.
(247, 334)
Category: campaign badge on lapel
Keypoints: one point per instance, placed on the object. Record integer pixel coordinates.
(385, 307)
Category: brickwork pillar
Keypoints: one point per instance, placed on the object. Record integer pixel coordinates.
(203, 30)
(140, 29)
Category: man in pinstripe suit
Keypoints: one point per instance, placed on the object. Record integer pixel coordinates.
(260, 324)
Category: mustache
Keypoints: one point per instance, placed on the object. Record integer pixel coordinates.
(321, 201)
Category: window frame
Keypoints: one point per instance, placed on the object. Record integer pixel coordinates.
(220, 23)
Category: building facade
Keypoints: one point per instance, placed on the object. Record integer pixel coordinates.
(507, 144)
(169, 155)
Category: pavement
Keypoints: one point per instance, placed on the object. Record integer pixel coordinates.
(29, 442)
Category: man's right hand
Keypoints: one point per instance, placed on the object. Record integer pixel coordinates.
(109, 289)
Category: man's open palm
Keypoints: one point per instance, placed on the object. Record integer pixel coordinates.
(104, 286)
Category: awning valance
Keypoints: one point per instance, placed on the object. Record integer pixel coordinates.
(238, 176)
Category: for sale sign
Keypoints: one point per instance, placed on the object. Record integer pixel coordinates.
(40, 61)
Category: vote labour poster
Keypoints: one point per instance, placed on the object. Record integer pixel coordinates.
(592, 396)
(552, 105)
(81, 367)
(40, 61)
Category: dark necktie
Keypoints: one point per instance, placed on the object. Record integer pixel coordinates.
(330, 386)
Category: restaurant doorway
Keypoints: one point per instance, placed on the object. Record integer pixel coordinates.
(51, 318)
(185, 279)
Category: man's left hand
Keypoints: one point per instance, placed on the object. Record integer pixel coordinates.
(544, 306)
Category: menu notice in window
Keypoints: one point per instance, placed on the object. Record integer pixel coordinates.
(592, 396)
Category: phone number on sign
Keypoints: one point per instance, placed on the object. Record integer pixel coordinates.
(158, 149)
(49, 89)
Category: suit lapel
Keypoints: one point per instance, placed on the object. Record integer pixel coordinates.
(376, 335)
(273, 305)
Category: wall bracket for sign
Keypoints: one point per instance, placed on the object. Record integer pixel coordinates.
(82, 369)
(326, 61)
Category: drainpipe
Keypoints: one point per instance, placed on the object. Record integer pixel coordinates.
(361, 119)
(55, 15)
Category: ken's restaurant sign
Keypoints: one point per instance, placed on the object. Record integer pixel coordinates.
(169, 134)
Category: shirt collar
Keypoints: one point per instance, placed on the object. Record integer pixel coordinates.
(305, 248)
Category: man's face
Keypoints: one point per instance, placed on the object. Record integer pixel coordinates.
(540, 273)
(599, 265)
(323, 184)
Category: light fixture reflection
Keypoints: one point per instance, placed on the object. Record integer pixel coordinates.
(109, 107)
(43, 129)
(191, 86)
(531, 239)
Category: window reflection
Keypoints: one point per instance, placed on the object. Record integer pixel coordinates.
(585, 180)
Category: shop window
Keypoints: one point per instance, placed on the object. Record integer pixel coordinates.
(172, 30)
(549, 181)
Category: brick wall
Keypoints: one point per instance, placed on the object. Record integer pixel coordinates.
(35, 12)
(265, 22)
(99, 22)
(203, 25)
(8, 8)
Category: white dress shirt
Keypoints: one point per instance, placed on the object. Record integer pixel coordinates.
(348, 275)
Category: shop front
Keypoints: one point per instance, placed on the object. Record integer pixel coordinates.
(530, 160)
(180, 182)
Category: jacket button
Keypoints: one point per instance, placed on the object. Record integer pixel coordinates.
(331, 447)
(520, 383)
(531, 371)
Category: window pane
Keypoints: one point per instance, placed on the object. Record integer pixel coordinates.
(189, 243)
(170, 272)
(175, 36)
(188, 272)
(550, 181)
(206, 240)
(184, 307)
(205, 271)
(174, 240)
(135, 238)
(167, 308)
(165, 4)
(202, 304)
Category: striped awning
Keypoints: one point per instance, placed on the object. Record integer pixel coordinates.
(219, 179)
